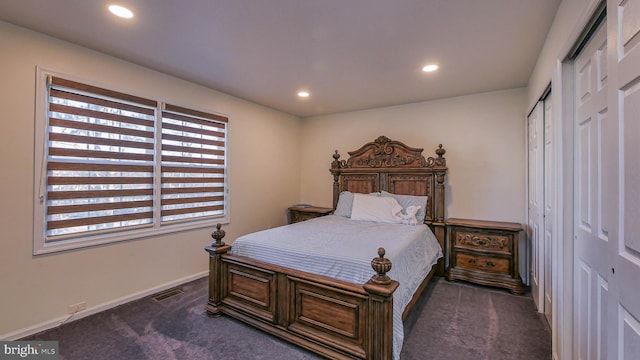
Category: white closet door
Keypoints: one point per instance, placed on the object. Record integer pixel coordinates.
(536, 186)
(594, 164)
(622, 194)
(607, 189)
(549, 206)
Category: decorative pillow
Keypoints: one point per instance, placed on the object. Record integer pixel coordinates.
(376, 208)
(411, 200)
(409, 217)
(345, 203)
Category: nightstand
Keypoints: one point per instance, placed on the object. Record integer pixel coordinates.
(484, 252)
(299, 213)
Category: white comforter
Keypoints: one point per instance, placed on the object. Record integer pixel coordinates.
(341, 248)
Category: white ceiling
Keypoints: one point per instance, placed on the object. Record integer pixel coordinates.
(350, 54)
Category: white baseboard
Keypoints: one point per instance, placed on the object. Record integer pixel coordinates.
(96, 309)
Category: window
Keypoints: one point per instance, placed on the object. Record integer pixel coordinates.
(116, 166)
(193, 164)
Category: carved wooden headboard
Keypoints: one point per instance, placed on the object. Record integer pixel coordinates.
(389, 165)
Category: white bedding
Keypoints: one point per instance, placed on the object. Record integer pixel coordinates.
(341, 248)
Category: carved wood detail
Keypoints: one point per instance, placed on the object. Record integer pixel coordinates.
(477, 240)
(386, 153)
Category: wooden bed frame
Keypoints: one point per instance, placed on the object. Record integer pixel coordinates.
(336, 319)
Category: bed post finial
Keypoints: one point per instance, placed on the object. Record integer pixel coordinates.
(217, 235)
(335, 164)
(381, 265)
(440, 151)
(441, 161)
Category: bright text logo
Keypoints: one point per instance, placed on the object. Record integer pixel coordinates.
(32, 350)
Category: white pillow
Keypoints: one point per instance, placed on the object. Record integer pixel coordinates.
(345, 203)
(375, 208)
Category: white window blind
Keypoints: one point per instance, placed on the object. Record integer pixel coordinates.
(193, 164)
(100, 159)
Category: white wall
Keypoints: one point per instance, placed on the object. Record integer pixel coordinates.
(263, 171)
(567, 24)
(483, 135)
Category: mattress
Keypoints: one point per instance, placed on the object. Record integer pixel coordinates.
(342, 248)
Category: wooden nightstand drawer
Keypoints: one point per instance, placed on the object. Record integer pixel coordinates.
(493, 242)
(485, 252)
(301, 213)
(484, 263)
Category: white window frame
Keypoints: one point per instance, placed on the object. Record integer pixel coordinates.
(41, 246)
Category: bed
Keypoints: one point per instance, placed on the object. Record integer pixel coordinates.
(305, 298)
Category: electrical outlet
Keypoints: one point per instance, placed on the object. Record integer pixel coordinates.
(75, 308)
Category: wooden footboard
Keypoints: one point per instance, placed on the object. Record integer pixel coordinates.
(336, 319)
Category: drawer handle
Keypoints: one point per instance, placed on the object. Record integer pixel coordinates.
(487, 263)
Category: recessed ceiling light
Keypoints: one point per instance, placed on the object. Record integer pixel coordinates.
(430, 68)
(121, 11)
(303, 94)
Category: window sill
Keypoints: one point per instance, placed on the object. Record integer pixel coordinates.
(42, 248)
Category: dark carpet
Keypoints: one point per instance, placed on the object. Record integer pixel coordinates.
(459, 321)
(450, 321)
